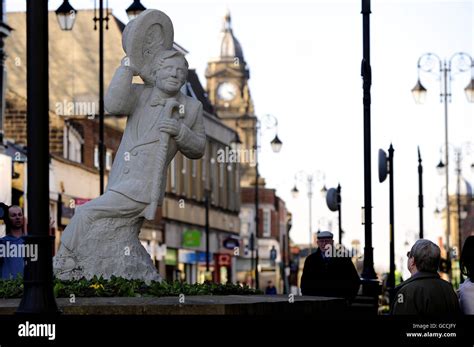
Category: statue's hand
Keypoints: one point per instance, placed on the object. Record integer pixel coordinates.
(127, 63)
(170, 126)
(169, 106)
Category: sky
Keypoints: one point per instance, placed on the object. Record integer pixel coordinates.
(304, 59)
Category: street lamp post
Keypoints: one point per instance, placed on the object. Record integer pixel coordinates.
(288, 253)
(101, 97)
(468, 147)
(339, 212)
(420, 192)
(271, 123)
(207, 203)
(392, 218)
(207, 194)
(368, 272)
(257, 219)
(310, 178)
(458, 201)
(386, 166)
(38, 297)
(310, 203)
(426, 63)
(4, 33)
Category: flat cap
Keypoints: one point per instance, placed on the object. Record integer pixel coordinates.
(324, 235)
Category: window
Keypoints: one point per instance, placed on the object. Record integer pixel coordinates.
(206, 167)
(185, 165)
(194, 168)
(173, 175)
(194, 165)
(229, 187)
(237, 187)
(73, 143)
(108, 158)
(244, 222)
(96, 156)
(179, 174)
(204, 161)
(185, 175)
(213, 177)
(267, 223)
(221, 175)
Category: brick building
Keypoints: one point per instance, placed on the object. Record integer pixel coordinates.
(272, 237)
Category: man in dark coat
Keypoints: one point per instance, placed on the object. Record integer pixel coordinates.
(424, 293)
(327, 272)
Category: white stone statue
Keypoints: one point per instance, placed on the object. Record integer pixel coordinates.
(102, 237)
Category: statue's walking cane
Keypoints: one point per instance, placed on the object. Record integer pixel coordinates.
(162, 154)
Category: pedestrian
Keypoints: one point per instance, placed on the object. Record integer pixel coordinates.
(12, 266)
(466, 289)
(424, 293)
(270, 289)
(327, 272)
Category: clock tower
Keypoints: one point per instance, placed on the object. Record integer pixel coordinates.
(227, 76)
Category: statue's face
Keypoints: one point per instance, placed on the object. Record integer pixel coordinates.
(171, 76)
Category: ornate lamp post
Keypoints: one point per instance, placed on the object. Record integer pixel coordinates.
(465, 147)
(268, 122)
(458, 63)
(309, 178)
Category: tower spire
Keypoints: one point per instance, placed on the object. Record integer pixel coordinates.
(227, 25)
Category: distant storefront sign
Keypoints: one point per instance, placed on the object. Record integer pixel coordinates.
(224, 260)
(231, 243)
(192, 257)
(201, 257)
(186, 257)
(68, 206)
(191, 238)
(171, 257)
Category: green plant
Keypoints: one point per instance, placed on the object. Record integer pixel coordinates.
(121, 287)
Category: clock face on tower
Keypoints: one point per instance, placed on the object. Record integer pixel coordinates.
(226, 91)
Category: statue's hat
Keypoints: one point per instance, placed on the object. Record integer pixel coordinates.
(146, 35)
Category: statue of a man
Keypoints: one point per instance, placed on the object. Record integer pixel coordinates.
(161, 121)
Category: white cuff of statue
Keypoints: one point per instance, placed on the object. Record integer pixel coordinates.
(102, 237)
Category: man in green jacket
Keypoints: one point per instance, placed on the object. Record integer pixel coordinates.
(424, 293)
